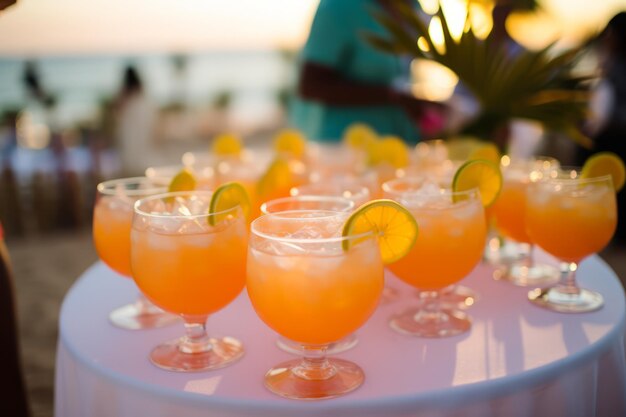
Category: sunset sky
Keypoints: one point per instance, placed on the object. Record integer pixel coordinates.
(101, 26)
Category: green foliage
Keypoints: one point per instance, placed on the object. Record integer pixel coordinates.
(536, 85)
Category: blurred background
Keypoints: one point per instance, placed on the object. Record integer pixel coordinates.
(68, 68)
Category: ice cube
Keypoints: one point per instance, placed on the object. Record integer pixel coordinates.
(165, 224)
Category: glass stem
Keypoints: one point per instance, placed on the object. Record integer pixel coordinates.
(196, 339)
(568, 278)
(530, 258)
(314, 364)
(431, 307)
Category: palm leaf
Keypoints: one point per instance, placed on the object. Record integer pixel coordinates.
(538, 85)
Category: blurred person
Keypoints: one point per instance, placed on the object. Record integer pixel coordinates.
(607, 125)
(135, 117)
(343, 79)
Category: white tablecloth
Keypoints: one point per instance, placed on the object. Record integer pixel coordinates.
(517, 360)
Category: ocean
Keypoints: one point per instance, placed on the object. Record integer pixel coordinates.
(81, 83)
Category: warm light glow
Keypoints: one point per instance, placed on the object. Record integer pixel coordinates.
(436, 34)
(455, 12)
(429, 6)
(30, 133)
(480, 19)
(99, 26)
(432, 81)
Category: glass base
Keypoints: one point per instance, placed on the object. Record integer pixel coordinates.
(458, 296)
(422, 323)
(344, 344)
(556, 299)
(223, 351)
(139, 316)
(281, 380)
(539, 275)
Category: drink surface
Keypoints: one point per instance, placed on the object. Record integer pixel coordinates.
(313, 293)
(572, 222)
(449, 244)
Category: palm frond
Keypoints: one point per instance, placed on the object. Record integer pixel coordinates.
(538, 85)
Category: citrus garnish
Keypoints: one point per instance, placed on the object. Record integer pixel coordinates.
(481, 174)
(183, 181)
(393, 225)
(487, 151)
(389, 149)
(605, 163)
(291, 142)
(226, 197)
(359, 136)
(227, 144)
(277, 177)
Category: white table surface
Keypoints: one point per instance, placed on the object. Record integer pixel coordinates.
(517, 360)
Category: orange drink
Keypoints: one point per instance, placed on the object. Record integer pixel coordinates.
(510, 218)
(192, 263)
(573, 222)
(305, 285)
(359, 194)
(318, 295)
(571, 218)
(449, 245)
(111, 232)
(112, 218)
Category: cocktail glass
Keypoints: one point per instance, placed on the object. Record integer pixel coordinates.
(308, 203)
(314, 287)
(510, 213)
(449, 245)
(570, 218)
(455, 295)
(112, 219)
(192, 264)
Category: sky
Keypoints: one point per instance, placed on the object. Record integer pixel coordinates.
(113, 26)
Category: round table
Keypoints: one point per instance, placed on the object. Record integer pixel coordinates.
(517, 360)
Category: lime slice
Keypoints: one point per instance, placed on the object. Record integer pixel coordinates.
(277, 177)
(605, 163)
(391, 150)
(393, 225)
(488, 152)
(183, 181)
(291, 142)
(359, 136)
(481, 174)
(226, 197)
(227, 144)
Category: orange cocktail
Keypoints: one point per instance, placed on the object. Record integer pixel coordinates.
(190, 263)
(112, 218)
(449, 245)
(308, 287)
(571, 218)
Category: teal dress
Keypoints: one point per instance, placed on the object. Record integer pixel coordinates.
(335, 42)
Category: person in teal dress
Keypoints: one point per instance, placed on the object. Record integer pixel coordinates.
(343, 79)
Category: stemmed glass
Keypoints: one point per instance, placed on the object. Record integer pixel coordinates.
(190, 263)
(306, 286)
(570, 218)
(308, 203)
(449, 245)
(112, 219)
(509, 212)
